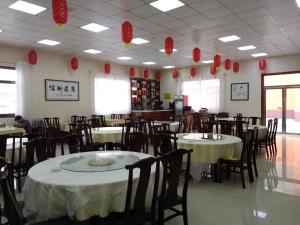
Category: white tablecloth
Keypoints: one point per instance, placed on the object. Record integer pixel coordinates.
(107, 134)
(262, 131)
(206, 152)
(49, 194)
(11, 130)
(114, 122)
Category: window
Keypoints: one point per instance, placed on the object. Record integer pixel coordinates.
(8, 93)
(112, 95)
(203, 94)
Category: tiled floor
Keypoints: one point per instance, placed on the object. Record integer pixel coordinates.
(273, 199)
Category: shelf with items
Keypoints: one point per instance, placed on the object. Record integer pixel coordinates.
(144, 93)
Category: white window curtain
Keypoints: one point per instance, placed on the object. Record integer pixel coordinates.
(110, 93)
(23, 90)
(203, 91)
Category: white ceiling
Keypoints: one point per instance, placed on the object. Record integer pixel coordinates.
(273, 26)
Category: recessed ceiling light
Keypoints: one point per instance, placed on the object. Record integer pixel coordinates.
(298, 3)
(92, 51)
(229, 38)
(167, 5)
(259, 54)
(207, 61)
(168, 67)
(124, 58)
(139, 41)
(49, 42)
(94, 27)
(259, 214)
(0, 30)
(149, 63)
(245, 48)
(27, 7)
(188, 56)
(163, 50)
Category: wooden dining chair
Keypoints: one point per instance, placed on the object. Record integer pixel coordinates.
(169, 198)
(74, 143)
(36, 149)
(244, 162)
(74, 118)
(126, 128)
(164, 142)
(13, 211)
(138, 213)
(273, 136)
(266, 142)
(254, 120)
(88, 136)
(48, 122)
(137, 142)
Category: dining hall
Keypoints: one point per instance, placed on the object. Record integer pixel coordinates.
(149, 112)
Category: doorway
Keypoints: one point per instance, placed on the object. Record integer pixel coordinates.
(282, 101)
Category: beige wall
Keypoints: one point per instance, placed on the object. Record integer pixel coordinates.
(56, 66)
(249, 72)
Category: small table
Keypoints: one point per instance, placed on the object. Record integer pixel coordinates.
(11, 130)
(206, 152)
(52, 192)
(107, 134)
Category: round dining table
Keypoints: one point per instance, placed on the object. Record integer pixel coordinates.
(208, 149)
(107, 134)
(70, 185)
(11, 130)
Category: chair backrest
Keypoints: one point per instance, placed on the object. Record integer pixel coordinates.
(48, 122)
(126, 128)
(223, 115)
(269, 129)
(255, 120)
(74, 142)
(173, 168)
(52, 132)
(164, 142)
(226, 127)
(3, 144)
(74, 118)
(94, 122)
(187, 123)
(139, 203)
(83, 118)
(241, 127)
(17, 156)
(13, 212)
(87, 130)
(247, 149)
(55, 121)
(274, 130)
(113, 146)
(137, 142)
(36, 147)
(165, 126)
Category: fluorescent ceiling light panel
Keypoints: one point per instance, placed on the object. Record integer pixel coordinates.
(245, 48)
(94, 27)
(149, 63)
(124, 58)
(49, 42)
(298, 3)
(229, 38)
(167, 5)
(207, 61)
(0, 31)
(27, 7)
(259, 214)
(139, 41)
(92, 51)
(168, 67)
(163, 50)
(259, 54)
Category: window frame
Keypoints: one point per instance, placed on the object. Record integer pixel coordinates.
(7, 115)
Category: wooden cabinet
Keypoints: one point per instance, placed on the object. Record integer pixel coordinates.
(144, 94)
(162, 115)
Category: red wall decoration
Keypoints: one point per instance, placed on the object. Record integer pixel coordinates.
(157, 75)
(32, 57)
(74, 63)
(262, 64)
(193, 71)
(227, 64)
(169, 45)
(146, 74)
(107, 68)
(174, 73)
(60, 12)
(127, 32)
(236, 67)
(196, 54)
(132, 71)
(213, 69)
(217, 60)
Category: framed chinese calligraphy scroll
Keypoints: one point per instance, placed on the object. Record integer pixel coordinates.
(61, 90)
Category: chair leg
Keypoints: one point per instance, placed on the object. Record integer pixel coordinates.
(254, 164)
(19, 181)
(250, 172)
(242, 176)
(184, 213)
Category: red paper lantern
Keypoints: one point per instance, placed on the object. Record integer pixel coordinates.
(32, 57)
(227, 64)
(193, 72)
(168, 45)
(217, 60)
(146, 74)
(60, 12)
(127, 32)
(236, 67)
(213, 69)
(174, 73)
(74, 63)
(107, 68)
(132, 71)
(262, 64)
(157, 75)
(196, 54)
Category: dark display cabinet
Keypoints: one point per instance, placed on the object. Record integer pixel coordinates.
(145, 94)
